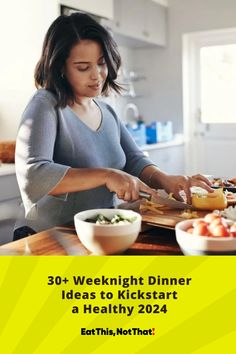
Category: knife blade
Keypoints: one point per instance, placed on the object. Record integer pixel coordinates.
(175, 204)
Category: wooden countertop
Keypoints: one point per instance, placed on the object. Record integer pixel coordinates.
(61, 241)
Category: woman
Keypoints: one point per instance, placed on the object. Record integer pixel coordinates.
(72, 152)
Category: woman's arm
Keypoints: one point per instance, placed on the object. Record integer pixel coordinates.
(126, 187)
(80, 179)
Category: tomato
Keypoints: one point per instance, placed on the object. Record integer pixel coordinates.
(220, 231)
(198, 222)
(210, 217)
(233, 230)
(190, 230)
(201, 229)
(214, 223)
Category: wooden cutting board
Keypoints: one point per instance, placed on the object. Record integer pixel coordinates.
(169, 219)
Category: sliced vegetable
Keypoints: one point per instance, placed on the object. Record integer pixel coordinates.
(188, 214)
(210, 201)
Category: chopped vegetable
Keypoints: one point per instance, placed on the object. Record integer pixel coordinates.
(188, 214)
(115, 220)
(209, 201)
(146, 205)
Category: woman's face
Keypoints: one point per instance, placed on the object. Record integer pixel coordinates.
(85, 69)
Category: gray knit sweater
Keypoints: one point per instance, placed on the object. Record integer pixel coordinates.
(50, 140)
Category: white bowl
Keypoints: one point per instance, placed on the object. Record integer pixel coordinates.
(202, 245)
(107, 239)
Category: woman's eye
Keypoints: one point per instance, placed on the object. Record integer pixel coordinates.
(82, 68)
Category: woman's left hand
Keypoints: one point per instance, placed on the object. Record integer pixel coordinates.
(175, 184)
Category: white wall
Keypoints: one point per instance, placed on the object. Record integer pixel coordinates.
(103, 8)
(163, 67)
(23, 25)
(128, 59)
(161, 2)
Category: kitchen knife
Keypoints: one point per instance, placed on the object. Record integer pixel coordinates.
(174, 204)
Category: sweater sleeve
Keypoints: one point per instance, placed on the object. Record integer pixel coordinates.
(136, 161)
(37, 173)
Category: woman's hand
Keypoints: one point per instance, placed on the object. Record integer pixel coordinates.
(126, 187)
(175, 184)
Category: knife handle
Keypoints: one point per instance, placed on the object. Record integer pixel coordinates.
(145, 195)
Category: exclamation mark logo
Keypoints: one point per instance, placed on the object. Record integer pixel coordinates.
(153, 331)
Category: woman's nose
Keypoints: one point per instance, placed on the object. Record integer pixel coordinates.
(96, 72)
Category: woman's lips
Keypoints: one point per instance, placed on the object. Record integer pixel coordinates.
(96, 86)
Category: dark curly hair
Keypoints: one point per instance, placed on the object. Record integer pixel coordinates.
(62, 35)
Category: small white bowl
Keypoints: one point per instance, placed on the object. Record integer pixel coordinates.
(194, 245)
(107, 239)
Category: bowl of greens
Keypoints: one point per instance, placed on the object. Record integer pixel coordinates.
(107, 231)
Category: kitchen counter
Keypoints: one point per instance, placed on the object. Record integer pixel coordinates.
(177, 141)
(7, 169)
(62, 241)
(8, 184)
(168, 156)
(9, 201)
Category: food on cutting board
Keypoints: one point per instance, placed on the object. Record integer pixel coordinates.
(213, 225)
(147, 205)
(223, 182)
(231, 197)
(188, 214)
(160, 209)
(209, 201)
(201, 200)
(170, 196)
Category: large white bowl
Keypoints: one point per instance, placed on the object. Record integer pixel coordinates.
(107, 239)
(202, 245)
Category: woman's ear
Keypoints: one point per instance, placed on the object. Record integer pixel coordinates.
(63, 72)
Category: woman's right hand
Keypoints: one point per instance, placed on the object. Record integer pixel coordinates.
(126, 186)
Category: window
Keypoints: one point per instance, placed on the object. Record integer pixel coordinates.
(209, 101)
(218, 83)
